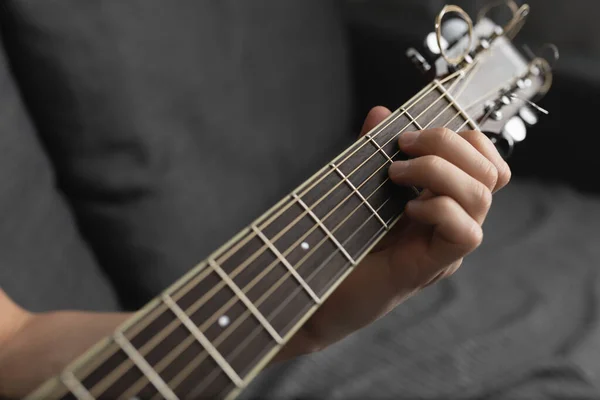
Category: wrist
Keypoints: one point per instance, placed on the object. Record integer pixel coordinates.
(13, 320)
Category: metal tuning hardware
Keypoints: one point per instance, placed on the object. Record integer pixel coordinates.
(456, 36)
(502, 104)
(527, 115)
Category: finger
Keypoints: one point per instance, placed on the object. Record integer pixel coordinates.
(446, 179)
(455, 232)
(374, 117)
(485, 146)
(454, 148)
(446, 273)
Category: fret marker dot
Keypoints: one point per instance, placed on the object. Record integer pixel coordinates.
(305, 246)
(223, 321)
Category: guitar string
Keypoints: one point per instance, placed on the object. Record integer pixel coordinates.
(213, 375)
(416, 100)
(201, 357)
(194, 363)
(405, 127)
(404, 111)
(226, 333)
(436, 118)
(199, 303)
(140, 326)
(247, 313)
(409, 124)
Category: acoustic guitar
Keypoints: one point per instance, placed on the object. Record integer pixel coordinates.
(210, 333)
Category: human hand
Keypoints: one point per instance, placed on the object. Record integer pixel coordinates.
(459, 172)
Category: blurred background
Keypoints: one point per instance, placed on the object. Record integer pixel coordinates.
(381, 30)
(140, 135)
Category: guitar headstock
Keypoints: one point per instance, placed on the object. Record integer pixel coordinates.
(495, 82)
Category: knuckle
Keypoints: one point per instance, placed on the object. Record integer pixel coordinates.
(432, 162)
(476, 137)
(484, 196)
(490, 173)
(469, 135)
(474, 237)
(504, 175)
(479, 140)
(441, 134)
(446, 203)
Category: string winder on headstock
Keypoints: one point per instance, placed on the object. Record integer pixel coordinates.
(500, 82)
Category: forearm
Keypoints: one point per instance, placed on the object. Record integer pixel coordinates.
(43, 344)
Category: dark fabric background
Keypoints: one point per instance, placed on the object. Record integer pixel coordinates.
(172, 124)
(519, 321)
(44, 263)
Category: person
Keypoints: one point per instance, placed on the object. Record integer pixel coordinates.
(459, 172)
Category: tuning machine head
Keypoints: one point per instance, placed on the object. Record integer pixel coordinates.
(485, 74)
(436, 45)
(504, 143)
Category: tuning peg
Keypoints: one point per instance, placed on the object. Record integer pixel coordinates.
(418, 60)
(431, 45)
(515, 129)
(528, 115)
(504, 144)
(454, 29)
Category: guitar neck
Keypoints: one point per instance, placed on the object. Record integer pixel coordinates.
(211, 332)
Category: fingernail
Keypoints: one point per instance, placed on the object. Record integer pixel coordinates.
(398, 168)
(408, 138)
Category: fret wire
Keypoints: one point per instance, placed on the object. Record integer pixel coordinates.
(374, 143)
(359, 194)
(190, 367)
(455, 104)
(110, 379)
(376, 189)
(452, 119)
(159, 367)
(465, 83)
(103, 384)
(322, 226)
(461, 91)
(418, 97)
(308, 254)
(236, 247)
(415, 101)
(245, 300)
(380, 186)
(281, 306)
(75, 386)
(223, 284)
(451, 103)
(144, 366)
(285, 262)
(317, 270)
(439, 115)
(210, 349)
(414, 121)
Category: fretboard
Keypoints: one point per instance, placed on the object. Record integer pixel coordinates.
(209, 334)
